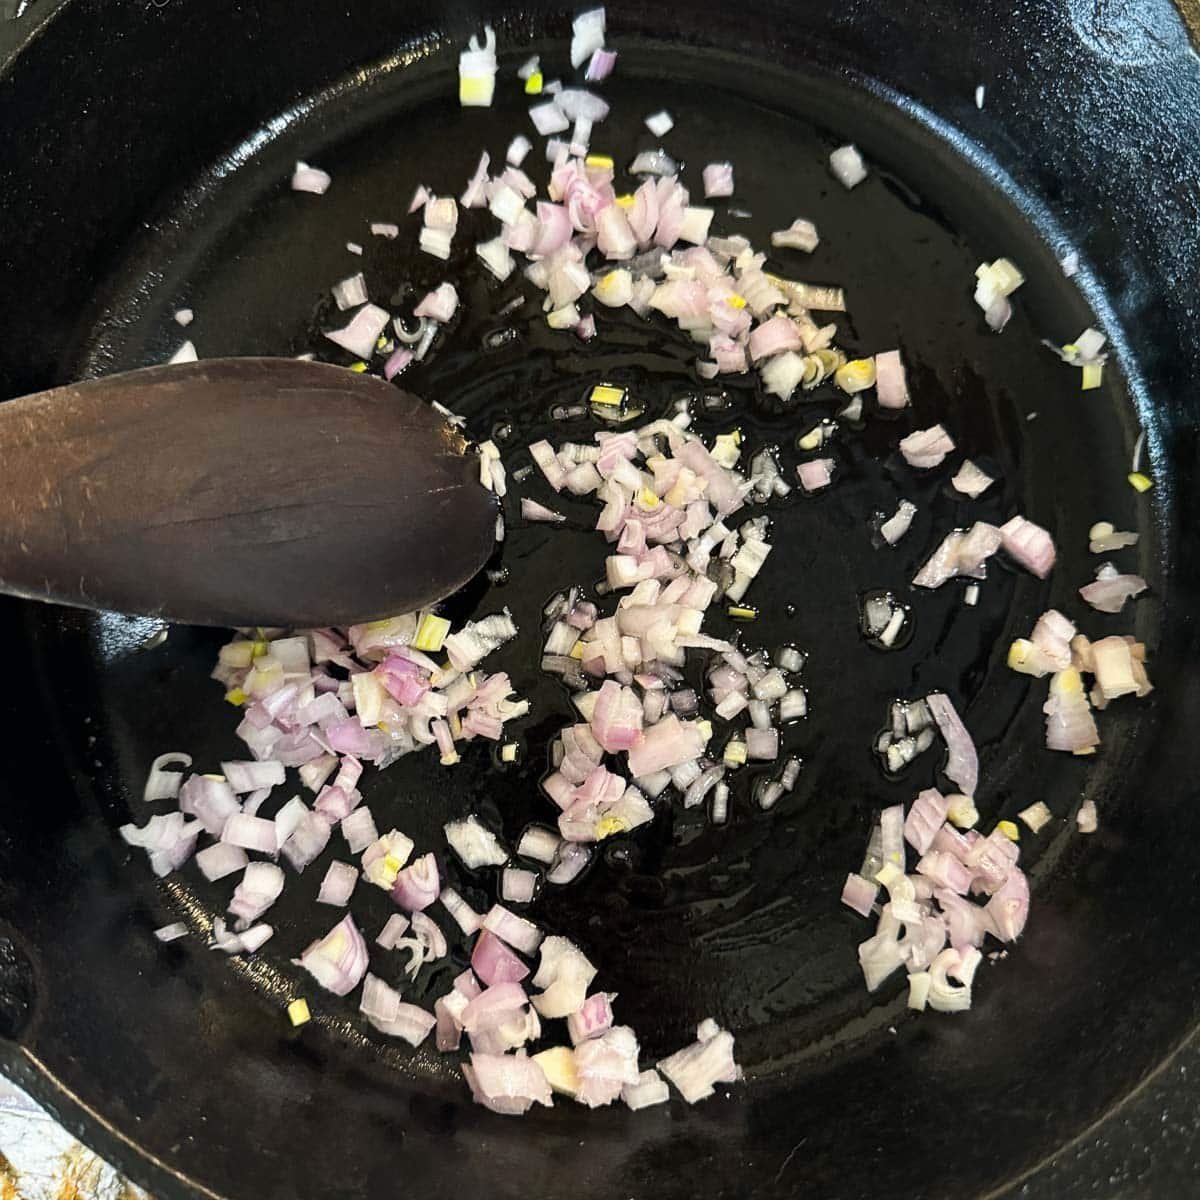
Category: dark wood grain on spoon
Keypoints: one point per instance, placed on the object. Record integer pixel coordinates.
(251, 491)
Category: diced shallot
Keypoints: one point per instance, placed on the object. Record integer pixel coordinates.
(896, 526)
(251, 833)
(696, 1068)
(531, 510)
(210, 800)
(162, 784)
(338, 961)
(464, 916)
(800, 235)
(306, 837)
(440, 304)
(1086, 818)
(961, 964)
(417, 885)
(660, 123)
(650, 1089)
(359, 830)
(539, 844)
(261, 885)
(600, 65)
(592, 1019)
(971, 480)
(587, 35)
(1111, 589)
(310, 179)
(350, 292)
(926, 447)
(569, 862)
(1103, 538)
(665, 745)
(219, 860)
(1069, 722)
(494, 962)
(962, 764)
(475, 844)
(338, 885)
(250, 776)
(239, 943)
(477, 71)
(384, 1009)
(516, 931)
(1116, 670)
(1029, 545)
(506, 1083)
(605, 1065)
(925, 817)
(518, 148)
(815, 474)
(847, 166)
(393, 930)
(361, 334)
(891, 384)
(548, 118)
(859, 894)
(564, 975)
(718, 180)
(518, 886)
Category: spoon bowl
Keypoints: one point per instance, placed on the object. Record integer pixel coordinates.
(237, 492)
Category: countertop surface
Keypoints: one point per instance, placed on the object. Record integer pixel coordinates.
(39, 1160)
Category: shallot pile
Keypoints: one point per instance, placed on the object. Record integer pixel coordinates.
(323, 705)
(684, 540)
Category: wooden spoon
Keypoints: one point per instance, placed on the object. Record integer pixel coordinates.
(240, 491)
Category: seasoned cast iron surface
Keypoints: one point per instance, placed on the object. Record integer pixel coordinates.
(178, 1051)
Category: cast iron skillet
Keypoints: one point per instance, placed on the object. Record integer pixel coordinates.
(144, 165)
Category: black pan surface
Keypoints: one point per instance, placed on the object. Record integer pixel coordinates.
(179, 1062)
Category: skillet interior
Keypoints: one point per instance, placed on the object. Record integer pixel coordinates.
(180, 1052)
